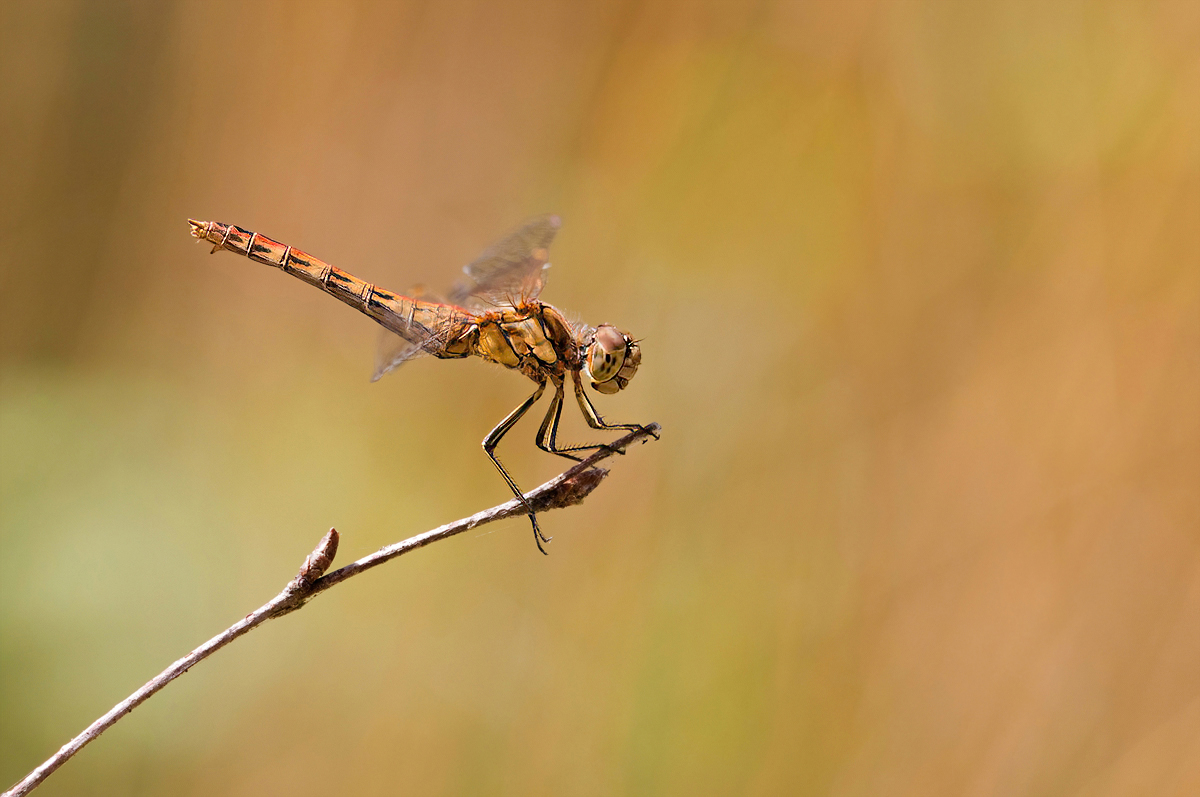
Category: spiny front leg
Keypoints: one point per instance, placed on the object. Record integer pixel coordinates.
(489, 447)
(547, 437)
(594, 419)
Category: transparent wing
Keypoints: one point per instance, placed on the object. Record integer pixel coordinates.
(511, 270)
(394, 351)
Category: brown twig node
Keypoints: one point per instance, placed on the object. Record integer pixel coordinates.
(564, 490)
(571, 491)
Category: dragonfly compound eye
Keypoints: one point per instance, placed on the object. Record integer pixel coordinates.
(612, 359)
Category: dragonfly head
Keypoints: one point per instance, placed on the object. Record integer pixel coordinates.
(612, 359)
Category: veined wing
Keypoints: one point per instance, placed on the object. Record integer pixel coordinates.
(393, 350)
(512, 270)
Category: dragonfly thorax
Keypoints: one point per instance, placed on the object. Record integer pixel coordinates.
(612, 359)
(532, 338)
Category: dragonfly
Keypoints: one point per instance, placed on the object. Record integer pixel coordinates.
(493, 312)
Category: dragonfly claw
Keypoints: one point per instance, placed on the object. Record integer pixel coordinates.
(538, 537)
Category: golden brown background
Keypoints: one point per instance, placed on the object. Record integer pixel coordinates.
(919, 284)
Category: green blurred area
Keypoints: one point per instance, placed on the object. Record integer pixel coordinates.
(919, 288)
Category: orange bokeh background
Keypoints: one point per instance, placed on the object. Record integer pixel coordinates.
(919, 291)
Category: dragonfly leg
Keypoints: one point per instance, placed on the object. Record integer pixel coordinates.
(489, 447)
(594, 419)
(548, 431)
(547, 438)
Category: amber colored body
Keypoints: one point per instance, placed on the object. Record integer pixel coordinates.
(523, 334)
(531, 337)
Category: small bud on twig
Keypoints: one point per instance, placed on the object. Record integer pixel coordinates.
(317, 562)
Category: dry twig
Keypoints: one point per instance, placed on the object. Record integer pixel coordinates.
(566, 489)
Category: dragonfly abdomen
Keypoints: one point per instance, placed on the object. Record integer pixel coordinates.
(442, 330)
(423, 323)
(347, 287)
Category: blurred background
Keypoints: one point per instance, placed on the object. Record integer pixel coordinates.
(919, 291)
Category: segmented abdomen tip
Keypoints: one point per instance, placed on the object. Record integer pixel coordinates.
(199, 228)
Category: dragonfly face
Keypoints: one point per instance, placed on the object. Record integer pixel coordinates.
(612, 359)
